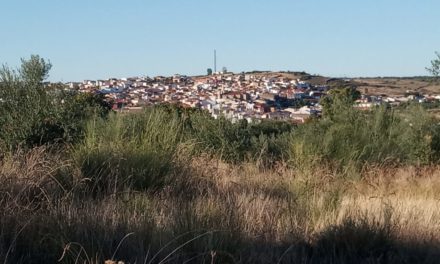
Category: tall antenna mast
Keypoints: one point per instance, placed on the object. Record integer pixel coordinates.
(215, 61)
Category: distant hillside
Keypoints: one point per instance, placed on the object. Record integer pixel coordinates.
(398, 86)
(394, 86)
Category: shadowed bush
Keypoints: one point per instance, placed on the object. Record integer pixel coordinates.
(138, 151)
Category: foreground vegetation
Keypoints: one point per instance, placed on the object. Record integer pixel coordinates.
(218, 213)
(174, 186)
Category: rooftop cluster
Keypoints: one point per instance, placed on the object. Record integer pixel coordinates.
(235, 96)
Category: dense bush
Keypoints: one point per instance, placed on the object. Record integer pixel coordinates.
(380, 136)
(232, 142)
(136, 151)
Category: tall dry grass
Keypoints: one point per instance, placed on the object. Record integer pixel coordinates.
(220, 213)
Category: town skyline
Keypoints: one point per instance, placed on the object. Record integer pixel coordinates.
(253, 96)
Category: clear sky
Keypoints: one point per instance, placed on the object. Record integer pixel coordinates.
(91, 39)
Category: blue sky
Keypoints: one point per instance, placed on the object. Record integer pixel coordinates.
(91, 39)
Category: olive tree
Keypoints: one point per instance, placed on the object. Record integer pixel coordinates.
(34, 70)
(33, 113)
(435, 66)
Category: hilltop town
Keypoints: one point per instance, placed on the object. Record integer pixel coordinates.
(291, 96)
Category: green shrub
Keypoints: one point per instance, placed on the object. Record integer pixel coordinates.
(232, 142)
(240, 141)
(351, 137)
(137, 151)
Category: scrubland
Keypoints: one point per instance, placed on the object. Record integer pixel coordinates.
(172, 185)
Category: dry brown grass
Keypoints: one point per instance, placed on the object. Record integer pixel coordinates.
(219, 214)
(397, 86)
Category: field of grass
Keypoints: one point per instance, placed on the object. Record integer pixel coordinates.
(218, 213)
